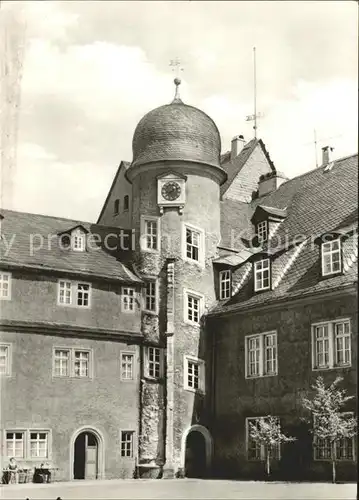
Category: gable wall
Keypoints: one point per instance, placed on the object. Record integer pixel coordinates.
(246, 181)
(121, 188)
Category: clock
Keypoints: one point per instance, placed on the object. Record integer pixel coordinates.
(171, 190)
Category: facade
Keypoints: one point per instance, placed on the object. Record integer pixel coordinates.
(193, 276)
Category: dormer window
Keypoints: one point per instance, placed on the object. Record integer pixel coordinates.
(262, 276)
(331, 257)
(225, 284)
(78, 241)
(262, 231)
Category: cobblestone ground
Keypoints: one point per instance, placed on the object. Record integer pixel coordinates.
(179, 489)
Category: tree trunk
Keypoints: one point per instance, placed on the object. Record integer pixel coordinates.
(268, 463)
(333, 463)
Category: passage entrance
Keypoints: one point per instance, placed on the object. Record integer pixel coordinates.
(86, 456)
(195, 458)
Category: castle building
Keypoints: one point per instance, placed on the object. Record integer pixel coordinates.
(205, 296)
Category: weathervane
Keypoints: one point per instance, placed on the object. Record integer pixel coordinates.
(176, 66)
(255, 115)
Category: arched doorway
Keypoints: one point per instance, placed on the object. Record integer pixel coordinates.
(196, 456)
(86, 454)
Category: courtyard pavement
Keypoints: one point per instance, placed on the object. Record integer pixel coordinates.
(178, 489)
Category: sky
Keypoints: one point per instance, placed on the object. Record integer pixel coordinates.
(92, 69)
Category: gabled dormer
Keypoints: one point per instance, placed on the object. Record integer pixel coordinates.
(74, 239)
(266, 221)
(331, 250)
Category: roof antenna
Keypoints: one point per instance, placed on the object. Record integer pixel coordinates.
(255, 115)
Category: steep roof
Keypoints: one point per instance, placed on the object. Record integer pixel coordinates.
(123, 164)
(317, 202)
(32, 241)
(233, 167)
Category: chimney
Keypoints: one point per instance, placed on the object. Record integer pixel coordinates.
(237, 145)
(270, 182)
(326, 154)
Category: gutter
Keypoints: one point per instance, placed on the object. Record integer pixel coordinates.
(70, 272)
(48, 328)
(349, 289)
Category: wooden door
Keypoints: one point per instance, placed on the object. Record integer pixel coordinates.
(91, 456)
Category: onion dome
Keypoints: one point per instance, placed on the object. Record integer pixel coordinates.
(176, 131)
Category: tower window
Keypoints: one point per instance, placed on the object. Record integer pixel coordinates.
(194, 374)
(151, 296)
(126, 203)
(193, 307)
(150, 234)
(193, 244)
(116, 207)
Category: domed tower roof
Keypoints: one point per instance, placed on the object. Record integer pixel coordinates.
(176, 131)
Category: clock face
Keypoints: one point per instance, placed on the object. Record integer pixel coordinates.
(171, 190)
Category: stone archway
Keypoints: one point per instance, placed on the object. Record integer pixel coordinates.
(196, 451)
(87, 452)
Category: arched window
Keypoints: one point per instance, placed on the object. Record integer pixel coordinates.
(116, 207)
(126, 202)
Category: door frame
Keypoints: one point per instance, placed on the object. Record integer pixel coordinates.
(208, 445)
(100, 451)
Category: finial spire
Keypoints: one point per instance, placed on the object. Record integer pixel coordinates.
(176, 66)
(177, 99)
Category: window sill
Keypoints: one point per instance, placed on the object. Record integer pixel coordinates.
(326, 368)
(200, 392)
(191, 323)
(255, 377)
(151, 313)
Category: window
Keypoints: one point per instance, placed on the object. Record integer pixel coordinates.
(74, 294)
(15, 444)
(126, 203)
(151, 296)
(194, 374)
(150, 238)
(61, 363)
(193, 244)
(28, 444)
(127, 366)
(83, 294)
(127, 444)
(71, 362)
(5, 359)
(128, 299)
(153, 362)
(116, 207)
(256, 451)
(331, 345)
(38, 444)
(344, 448)
(81, 363)
(78, 240)
(261, 355)
(5, 286)
(331, 257)
(262, 231)
(225, 284)
(262, 275)
(193, 307)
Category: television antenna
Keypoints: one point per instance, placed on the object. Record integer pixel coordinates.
(254, 117)
(316, 141)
